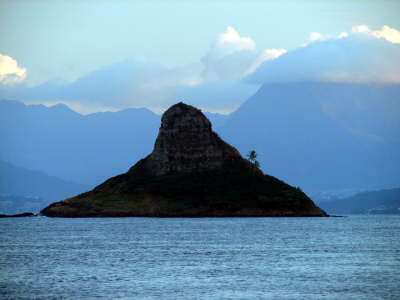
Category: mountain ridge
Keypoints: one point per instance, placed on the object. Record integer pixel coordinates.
(385, 201)
(22, 189)
(322, 134)
(315, 130)
(42, 138)
(191, 172)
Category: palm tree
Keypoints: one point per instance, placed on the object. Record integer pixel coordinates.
(252, 157)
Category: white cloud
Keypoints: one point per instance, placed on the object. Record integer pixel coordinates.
(213, 82)
(387, 33)
(315, 36)
(10, 72)
(265, 55)
(360, 29)
(233, 56)
(229, 56)
(217, 96)
(362, 56)
(230, 42)
(390, 34)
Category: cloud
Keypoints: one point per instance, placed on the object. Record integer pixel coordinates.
(387, 33)
(120, 85)
(362, 56)
(141, 83)
(10, 72)
(230, 42)
(360, 29)
(215, 82)
(229, 56)
(216, 96)
(342, 35)
(314, 37)
(115, 85)
(264, 56)
(233, 56)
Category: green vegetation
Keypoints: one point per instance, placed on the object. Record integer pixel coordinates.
(252, 157)
(190, 173)
(233, 190)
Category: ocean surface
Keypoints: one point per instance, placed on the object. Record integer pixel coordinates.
(357, 257)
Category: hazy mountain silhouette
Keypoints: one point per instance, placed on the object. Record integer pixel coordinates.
(63, 143)
(21, 188)
(319, 136)
(218, 120)
(322, 135)
(372, 202)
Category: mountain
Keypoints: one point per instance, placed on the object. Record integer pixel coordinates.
(71, 146)
(26, 190)
(322, 136)
(374, 202)
(191, 172)
(75, 147)
(218, 120)
(15, 204)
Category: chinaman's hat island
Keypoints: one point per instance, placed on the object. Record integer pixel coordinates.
(191, 172)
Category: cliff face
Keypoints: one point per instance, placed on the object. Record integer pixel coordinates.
(186, 143)
(190, 173)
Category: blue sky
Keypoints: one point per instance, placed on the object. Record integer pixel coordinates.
(66, 40)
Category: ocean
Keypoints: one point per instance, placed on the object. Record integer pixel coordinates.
(355, 257)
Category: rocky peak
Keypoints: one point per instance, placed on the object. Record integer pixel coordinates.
(187, 143)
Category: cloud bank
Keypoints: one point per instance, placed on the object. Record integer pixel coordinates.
(226, 76)
(213, 83)
(232, 56)
(361, 56)
(387, 33)
(10, 72)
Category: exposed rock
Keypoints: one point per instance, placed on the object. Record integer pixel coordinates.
(186, 143)
(190, 173)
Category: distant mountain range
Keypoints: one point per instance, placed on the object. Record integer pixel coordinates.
(26, 190)
(319, 136)
(79, 148)
(322, 136)
(374, 202)
(85, 149)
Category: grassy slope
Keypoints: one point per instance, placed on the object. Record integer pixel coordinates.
(234, 190)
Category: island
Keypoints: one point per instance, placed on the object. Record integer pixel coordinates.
(22, 215)
(191, 172)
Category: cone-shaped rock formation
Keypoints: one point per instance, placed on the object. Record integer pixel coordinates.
(186, 143)
(190, 173)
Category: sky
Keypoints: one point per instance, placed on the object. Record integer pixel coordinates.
(109, 55)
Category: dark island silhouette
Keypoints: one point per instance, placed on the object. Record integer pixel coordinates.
(191, 172)
(26, 214)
